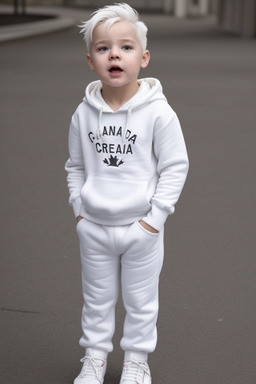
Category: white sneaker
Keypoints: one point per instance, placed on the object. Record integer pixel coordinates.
(135, 372)
(92, 372)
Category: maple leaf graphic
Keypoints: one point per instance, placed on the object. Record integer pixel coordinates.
(113, 161)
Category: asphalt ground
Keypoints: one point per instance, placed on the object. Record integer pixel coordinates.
(207, 294)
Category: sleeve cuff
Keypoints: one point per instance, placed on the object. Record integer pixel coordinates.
(157, 217)
(76, 205)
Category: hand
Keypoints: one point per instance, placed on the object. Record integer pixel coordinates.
(147, 227)
(79, 218)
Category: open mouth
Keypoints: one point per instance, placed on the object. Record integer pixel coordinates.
(115, 69)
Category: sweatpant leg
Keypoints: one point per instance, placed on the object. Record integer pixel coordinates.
(100, 284)
(141, 265)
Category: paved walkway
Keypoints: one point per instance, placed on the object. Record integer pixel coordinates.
(65, 18)
(207, 317)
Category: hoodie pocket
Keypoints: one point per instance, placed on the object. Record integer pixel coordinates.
(115, 197)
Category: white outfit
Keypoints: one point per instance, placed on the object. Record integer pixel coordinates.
(124, 166)
(107, 251)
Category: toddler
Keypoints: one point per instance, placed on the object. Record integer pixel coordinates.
(126, 169)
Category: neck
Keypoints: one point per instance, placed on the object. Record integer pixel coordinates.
(115, 97)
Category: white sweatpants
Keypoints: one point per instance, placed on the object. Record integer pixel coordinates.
(108, 252)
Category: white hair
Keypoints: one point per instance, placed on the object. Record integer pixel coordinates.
(109, 15)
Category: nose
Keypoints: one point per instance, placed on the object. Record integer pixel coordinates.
(114, 53)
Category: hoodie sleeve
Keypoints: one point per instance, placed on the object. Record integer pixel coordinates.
(172, 167)
(75, 168)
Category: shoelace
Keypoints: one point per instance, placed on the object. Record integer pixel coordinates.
(92, 367)
(134, 370)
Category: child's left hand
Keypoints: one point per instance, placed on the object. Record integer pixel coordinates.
(147, 227)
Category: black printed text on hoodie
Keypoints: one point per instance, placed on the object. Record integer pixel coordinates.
(129, 164)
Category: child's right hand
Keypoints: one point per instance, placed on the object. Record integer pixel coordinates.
(79, 218)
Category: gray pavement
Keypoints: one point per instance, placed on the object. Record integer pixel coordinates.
(207, 296)
(65, 18)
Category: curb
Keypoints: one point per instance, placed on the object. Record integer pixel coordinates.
(21, 31)
(64, 18)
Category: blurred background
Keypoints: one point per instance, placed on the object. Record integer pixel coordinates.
(204, 54)
(237, 16)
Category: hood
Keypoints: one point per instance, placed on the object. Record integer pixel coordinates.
(149, 91)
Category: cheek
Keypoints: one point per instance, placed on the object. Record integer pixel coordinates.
(136, 61)
(99, 63)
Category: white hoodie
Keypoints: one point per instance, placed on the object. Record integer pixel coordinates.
(126, 165)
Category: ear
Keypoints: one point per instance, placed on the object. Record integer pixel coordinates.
(145, 59)
(89, 61)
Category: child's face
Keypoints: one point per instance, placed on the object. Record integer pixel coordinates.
(116, 55)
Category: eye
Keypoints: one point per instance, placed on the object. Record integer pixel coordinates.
(102, 49)
(126, 47)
